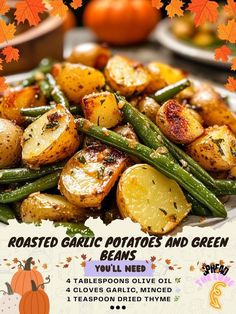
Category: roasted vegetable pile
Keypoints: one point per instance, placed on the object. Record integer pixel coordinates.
(101, 135)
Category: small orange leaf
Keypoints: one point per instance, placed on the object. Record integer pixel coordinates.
(76, 4)
(45, 266)
(4, 8)
(83, 264)
(1, 64)
(204, 11)
(10, 54)
(191, 268)
(153, 266)
(153, 258)
(68, 259)
(233, 67)
(228, 31)
(84, 256)
(157, 4)
(168, 261)
(29, 10)
(231, 84)
(222, 53)
(58, 8)
(174, 8)
(230, 8)
(7, 31)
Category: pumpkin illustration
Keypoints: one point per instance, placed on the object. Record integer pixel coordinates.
(9, 303)
(35, 301)
(21, 281)
(121, 22)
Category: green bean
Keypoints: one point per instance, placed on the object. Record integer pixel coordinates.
(44, 66)
(45, 88)
(6, 213)
(159, 161)
(197, 208)
(38, 111)
(170, 91)
(57, 95)
(41, 184)
(24, 174)
(75, 228)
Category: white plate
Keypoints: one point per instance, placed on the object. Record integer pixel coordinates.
(164, 35)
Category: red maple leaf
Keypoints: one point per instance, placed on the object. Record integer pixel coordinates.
(29, 10)
(157, 4)
(175, 8)
(76, 4)
(204, 11)
(230, 8)
(228, 31)
(7, 31)
(222, 53)
(233, 66)
(153, 258)
(84, 256)
(231, 84)
(10, 54)
(3, 84)
(4, 8)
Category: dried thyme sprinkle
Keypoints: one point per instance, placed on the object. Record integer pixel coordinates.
(100, 172)
(109, 159)
(82, 159)
(163, 210)
(218, 143)
(175, 205)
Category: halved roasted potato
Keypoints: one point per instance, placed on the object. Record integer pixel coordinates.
(212, 108)
(126, 76)
(215, 150)
(90, 54)
(90, 174)
(178, 123)
(39, 206)
(102, 109)
(50, 138)
(167, 73)
(78, 80)
(10, 143)
(157, 80)
(147, 196)
(16, 99)
(149, 107)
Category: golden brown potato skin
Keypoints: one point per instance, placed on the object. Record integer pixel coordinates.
(157, 80)
(102, 109)
(40, 206)
(149, 107)
(90, 174)
(10, 143)
(14, 100)
(78, 80)
(51, 138)
(177, 123)
(90, 54)
(215, 150)
(212, 108)
(126, 76)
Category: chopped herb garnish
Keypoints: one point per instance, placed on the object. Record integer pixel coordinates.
(82, 159)
(102, 101)
(153, 182)
(163, 210)
(109, 159)
(175, 205)
(100, 173)
(218, 142)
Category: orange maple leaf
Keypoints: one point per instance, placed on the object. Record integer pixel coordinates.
(10, 54)
(204, 11)
(222, 53)
(233, 66)
(157, 4)
(230, 8)
(4, 8)
(174, 8)
(228, 31)
(231, 84)
(7, 31)
(76, 4)
(1, 64)
(153, 266)
(168, 261)
(29, 10)
(58, 8)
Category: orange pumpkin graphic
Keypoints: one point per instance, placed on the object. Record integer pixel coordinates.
(21, 281)
(35, 301)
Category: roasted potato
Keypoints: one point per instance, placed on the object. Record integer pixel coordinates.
(16, 99)
(215, 150)
(50, 138)
(151, 199)
(167, 73)
(126, 131)
(212, 108)
(178, 123)
(126, 76)
(90, 54)
(157, 80)
(149, 107)
(90, 174)
(39, 206)
(77, 80)
(102, 109)
(10, 143)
